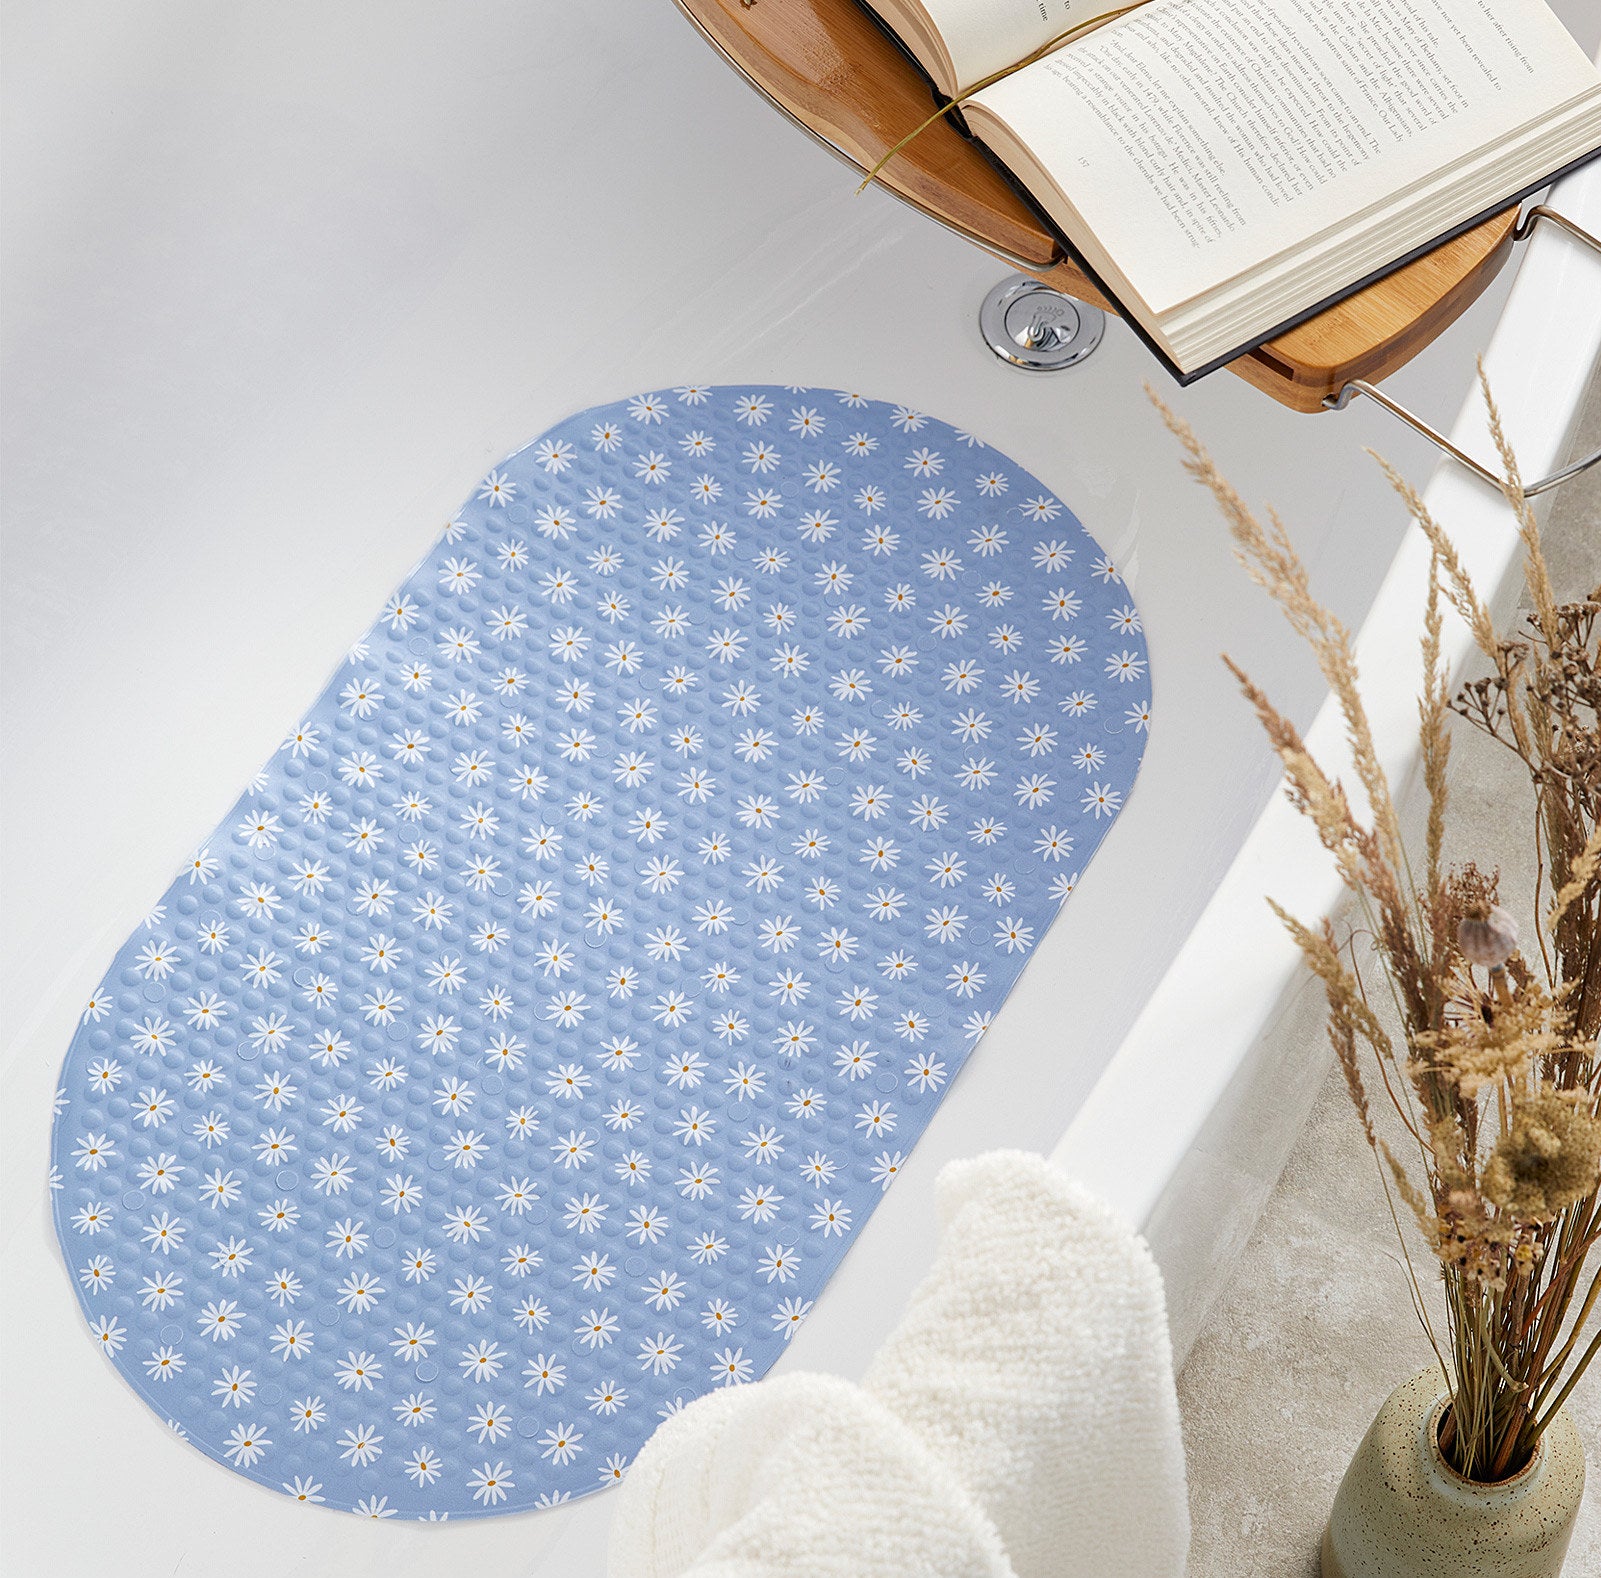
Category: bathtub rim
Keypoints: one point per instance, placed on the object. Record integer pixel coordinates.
(1211, 1141)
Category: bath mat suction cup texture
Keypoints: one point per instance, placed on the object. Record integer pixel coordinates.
(526, 1047)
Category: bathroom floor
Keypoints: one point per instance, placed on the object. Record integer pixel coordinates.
(1315, 1327)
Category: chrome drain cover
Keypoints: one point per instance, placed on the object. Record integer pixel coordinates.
(1030, 325)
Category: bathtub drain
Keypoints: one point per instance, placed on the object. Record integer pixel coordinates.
(1031, 326)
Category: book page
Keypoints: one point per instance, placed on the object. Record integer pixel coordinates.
(1199, 138)
(985, 36)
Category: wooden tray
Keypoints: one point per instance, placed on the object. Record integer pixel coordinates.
(825, 64)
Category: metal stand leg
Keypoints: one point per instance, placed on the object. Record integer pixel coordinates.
(1360, 386)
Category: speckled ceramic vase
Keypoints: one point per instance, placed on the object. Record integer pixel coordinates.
(1401, 1512)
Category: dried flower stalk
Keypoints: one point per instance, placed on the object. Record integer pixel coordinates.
(1488, 1058)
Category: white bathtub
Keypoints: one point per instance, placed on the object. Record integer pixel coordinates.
(281, 286)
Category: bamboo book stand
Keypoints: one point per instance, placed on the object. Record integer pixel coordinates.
(835, 74)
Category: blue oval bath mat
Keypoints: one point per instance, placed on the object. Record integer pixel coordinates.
(522, 1053)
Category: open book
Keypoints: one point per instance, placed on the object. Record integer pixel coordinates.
(1226, 168)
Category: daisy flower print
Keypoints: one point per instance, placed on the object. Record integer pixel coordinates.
(526, 1046)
